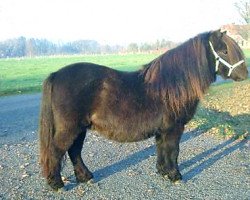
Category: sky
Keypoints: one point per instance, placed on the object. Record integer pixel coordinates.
(114, 21)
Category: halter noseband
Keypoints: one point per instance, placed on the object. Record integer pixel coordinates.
(219, 59)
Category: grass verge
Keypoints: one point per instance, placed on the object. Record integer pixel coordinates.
(225, 111)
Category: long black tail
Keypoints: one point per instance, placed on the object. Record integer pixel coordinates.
(46, 127)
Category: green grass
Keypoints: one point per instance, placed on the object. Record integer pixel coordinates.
(26, 75)
(221, 124)
(247, 54)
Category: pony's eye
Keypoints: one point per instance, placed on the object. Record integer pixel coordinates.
(225, 52)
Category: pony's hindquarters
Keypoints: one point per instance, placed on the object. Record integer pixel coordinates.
(60, 131)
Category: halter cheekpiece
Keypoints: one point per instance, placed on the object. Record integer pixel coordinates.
(218, 59)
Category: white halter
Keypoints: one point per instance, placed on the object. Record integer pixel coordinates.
(219, 59)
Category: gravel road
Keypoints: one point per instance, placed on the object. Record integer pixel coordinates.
(212, 168)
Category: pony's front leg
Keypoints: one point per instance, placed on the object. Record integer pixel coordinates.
(167, 143)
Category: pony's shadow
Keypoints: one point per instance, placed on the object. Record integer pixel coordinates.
(204, 159)
(224, 122)
(133, 159)
(228, 147)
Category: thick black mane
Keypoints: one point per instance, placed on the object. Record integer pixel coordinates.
(183, 74)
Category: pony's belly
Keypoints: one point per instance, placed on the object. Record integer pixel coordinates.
(120, 132)
(132, 128)
(119, 136)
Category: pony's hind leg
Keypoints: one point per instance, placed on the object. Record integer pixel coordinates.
(81, 171)
(167, 143)
(54, 176)
(62, 141)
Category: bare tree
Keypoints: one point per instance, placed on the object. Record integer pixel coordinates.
(243, 8)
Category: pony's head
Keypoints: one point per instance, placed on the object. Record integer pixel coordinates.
(229, 58)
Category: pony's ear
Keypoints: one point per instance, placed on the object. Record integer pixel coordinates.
(224, 32)
(216, 35)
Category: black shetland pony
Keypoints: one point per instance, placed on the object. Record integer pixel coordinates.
(157, 100)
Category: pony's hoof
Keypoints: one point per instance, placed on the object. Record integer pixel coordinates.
(56, 185)
(84, 178)
(174, 177)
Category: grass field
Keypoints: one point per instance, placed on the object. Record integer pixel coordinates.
(247, 54)
(23, 75)
(26, 74)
